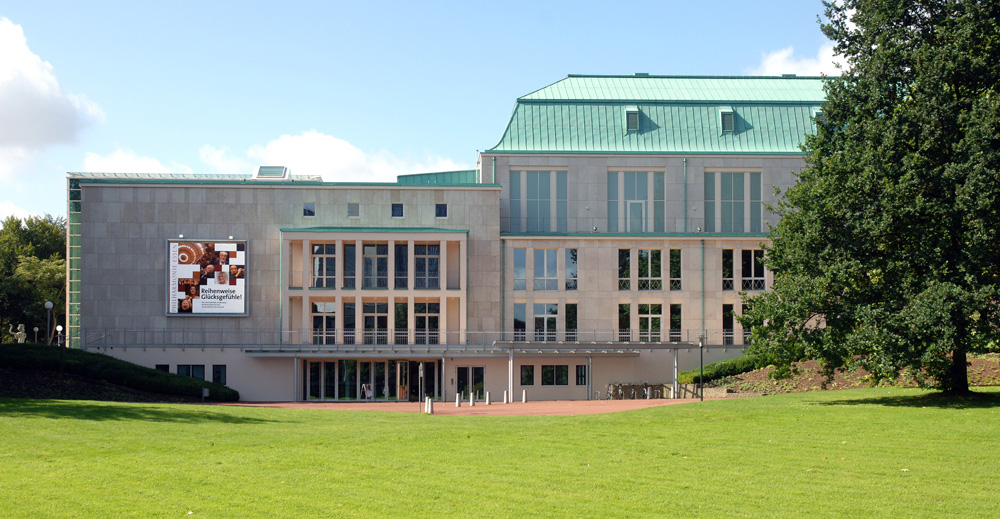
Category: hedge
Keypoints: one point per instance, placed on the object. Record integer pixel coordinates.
(38, 357)
(717, 370)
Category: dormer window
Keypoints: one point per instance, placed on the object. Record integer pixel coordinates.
(632, 118)
(728, 121)
(818, 116)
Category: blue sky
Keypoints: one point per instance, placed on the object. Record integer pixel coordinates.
(350, 91)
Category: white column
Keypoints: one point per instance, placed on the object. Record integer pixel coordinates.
(359, 253)
(443, 265)
(463, 314)
(391, 284)
(411, 322)
(306, 280)
(305, 336)
(443, 319)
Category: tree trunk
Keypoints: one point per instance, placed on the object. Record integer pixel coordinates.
(957, 382)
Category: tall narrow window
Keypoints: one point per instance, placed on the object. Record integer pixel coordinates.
(350, 268)
(746, 330)
(709, 202)
(520, 271)
(727, 324)
(546, 270)
(571, 280)
(401, 322)
(376, 265)
(675, 323)
(571, 322)
(376, 319)
(516, 224)
(650, 269)
(624, 269)
(520, 321)
(426, 317)
(727, 269)
(675, 269)
(324, 323)
(539, 201)
(402, 266)
(562, 223)
(527, 375)
(659, 203)
(219, 373)
(636, 194)
(612, 201)
(581, 374)
(324, 265)
(753, 269)
(545, 321)
(427, 260)
(349, 318)
(624, 322)
(755, 203)
(731, 206)
(650, 317)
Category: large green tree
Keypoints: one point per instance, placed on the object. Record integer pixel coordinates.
(887, 254)
(32, 271)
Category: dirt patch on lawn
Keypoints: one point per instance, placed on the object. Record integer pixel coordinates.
(984, 370)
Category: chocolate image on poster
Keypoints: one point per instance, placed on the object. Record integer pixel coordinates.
(207, 277)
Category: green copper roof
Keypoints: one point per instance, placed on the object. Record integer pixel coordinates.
(587, 114)
(443, 177)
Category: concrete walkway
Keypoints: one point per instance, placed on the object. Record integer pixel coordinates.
(540, 408)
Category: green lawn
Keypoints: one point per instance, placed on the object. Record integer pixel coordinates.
(858, 453)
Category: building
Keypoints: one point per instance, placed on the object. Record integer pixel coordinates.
(610, 230)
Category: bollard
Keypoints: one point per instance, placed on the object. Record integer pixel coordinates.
(505, 396)
(429, 407)
(472, 398)
(458, 399)
(524, 396)
(487, 398)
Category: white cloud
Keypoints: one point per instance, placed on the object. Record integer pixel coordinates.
(127, 161)
(784, 61)
(34, 110)
(8, 208)
(336, 160)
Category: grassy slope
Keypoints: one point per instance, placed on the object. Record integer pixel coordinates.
(833, 454)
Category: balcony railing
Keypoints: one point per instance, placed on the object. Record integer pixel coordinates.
(360, 339)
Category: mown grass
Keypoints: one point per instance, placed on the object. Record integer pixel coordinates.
(858, 453)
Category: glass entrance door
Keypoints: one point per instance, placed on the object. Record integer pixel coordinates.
(470, 381)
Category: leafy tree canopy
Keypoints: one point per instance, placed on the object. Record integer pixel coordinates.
(887, 253)
(32, 271)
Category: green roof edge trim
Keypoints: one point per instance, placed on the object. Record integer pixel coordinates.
(255, 183)
(632, 234)
(375, 229)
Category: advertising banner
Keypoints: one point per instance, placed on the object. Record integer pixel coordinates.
(207, 277)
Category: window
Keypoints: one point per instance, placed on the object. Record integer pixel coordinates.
(675, 323)
(427, 259)
(727, 324)
(571, 322)
(545, 321)
(624, 264)
(649, 269)
(402, 266)
(624, 322)
(581, 374)
(632, 118)
(397, 210)
(633, 200)
(309, 209)
(219, 373)
(192, 370)
(727, 269)
(555, 375)
(675, 269)
(324, 265)
(539, 201)
(709, 202)
(163, 367)
(755, 203)
(739, 196)
(746, 330)
(527, 375)
(520, 321)
(350, 269)
(571, 279)
(375, 262)
(426, 317)
(545, 269)
(753, 269)
(324, 323)
(514, 205)
(350, 322)
(353, 210)
(728, 121)
(650, 317)
(731, 203)
(440, 210)
(520, 271)
(400, 319)
(376, 320)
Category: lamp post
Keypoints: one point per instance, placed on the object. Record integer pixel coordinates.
(701, 367)
(59, 336)
(48, 322)
(36, 335)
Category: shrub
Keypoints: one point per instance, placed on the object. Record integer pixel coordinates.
(717, 370)
(109, 369)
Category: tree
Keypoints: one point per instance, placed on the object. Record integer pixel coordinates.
(887, 254)
(32, 270)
